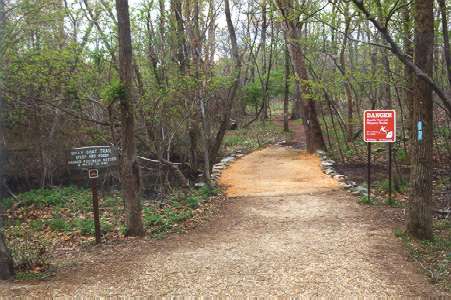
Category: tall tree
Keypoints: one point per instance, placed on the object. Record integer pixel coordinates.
(420, 196)
(6, 263)
(447, 53)
(314, 135)
(235, 85)
(286, 89)
(408, 73)
(129, 167)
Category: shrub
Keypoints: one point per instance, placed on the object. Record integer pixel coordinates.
(206, 192)
(151, 218)
(393, 202)
(69, 196)
(37, 225)
(163, 221)
(401, 187)
(366, 200)
(85, 226)
(59, 224)
(192, 201)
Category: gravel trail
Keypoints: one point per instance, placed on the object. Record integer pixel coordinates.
(286, 230)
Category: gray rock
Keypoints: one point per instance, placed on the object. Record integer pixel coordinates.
(339, 177)
(330, 172)
(228, 159)
(326, 165)
(360, 190)
(320, 152)
(345, 185)
(199, 184)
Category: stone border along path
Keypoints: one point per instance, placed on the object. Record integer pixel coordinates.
(327, 166)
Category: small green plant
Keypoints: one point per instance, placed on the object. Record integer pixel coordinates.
(105, 225)
(401, 155)
(393, 202)
(31, 276)
(400, 186)
(206, 192)
(233, 140)
(59, 224)
(37, 225)
(69, 196)
(85, 226)
(151, 218)
(161, 222)
(111, 201)
(398, 232)
(366, 200)
(193, 201)
(7, 203)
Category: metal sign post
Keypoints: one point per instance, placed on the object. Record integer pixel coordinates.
(389, 170)
(90, 159)
(379, 126)
(369, 170)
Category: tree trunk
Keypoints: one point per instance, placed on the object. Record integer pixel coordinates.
(180, 40)
(264, 29)
(296, 110)
(350, 129)
(314, 135)
(286, 90)
(420, 196)
(235, 85)
(129, 167)
(199, 93)
(408, 73)
(6, 262)
(444, 13)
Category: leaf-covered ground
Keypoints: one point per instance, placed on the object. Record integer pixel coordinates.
(46, 224)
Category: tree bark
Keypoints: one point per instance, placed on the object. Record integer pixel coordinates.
(408, 73)
(447, 53)
(182, 55)
(199, 93)
(420, 196)
(129, 167)
(286, 90)
(350, 129)
(235, 85)
(296, 109)
(314, 135)
(6, 262)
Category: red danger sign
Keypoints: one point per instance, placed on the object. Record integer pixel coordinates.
(379, 126)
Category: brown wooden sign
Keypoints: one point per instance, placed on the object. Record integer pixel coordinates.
(93, 157)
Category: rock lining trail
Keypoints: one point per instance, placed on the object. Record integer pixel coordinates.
(286, 230)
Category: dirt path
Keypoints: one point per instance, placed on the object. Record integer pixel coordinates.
(286, 230)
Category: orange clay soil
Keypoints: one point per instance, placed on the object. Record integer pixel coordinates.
(286, 230)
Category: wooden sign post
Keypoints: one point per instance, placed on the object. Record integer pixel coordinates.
(91, 159)
(379, 126)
